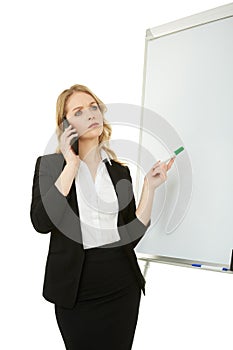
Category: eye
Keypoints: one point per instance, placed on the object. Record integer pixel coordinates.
(94, 108)
(78, 113)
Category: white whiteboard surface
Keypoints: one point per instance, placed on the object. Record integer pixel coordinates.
(188, 86)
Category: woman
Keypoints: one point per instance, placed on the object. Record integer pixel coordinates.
(87, 203)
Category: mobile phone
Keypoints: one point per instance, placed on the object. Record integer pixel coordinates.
(74, 141)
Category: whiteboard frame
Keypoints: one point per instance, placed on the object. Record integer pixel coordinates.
(198, 19)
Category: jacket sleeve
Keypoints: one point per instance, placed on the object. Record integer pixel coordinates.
(135, 227)
(48, 204)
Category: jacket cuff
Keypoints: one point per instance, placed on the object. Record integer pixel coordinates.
(140, 223)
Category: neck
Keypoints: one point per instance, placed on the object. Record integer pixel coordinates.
(89, 151)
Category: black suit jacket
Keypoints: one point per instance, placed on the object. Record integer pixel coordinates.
(53, 212)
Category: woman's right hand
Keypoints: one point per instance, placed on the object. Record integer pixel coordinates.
(65, 147)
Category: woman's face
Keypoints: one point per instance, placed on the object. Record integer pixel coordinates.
(82, 112)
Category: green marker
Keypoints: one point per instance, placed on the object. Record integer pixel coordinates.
(176, 152)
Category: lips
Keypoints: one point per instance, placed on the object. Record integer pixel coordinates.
(94, 124)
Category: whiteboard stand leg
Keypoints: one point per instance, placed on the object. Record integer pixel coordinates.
(146, 266)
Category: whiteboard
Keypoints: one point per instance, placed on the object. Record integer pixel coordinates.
(187, 101)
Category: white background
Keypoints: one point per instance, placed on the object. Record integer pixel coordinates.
(46, 46)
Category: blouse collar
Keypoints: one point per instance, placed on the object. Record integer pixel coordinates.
(104, 156)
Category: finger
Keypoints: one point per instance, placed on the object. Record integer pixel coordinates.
(67, 129)
(67, 133)
(155, 167)
(170, 163)
(66, 140)
(169, 160)
(71, 137)
(156, 170)
(70, 131)
(159, 171)
(163, 174)
(156, 164)
(163, 166)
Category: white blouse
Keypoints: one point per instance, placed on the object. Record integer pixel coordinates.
(98, 205)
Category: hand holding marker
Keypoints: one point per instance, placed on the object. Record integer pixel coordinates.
(176, 152)
(158, 174)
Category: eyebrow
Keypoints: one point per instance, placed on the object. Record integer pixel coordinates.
(82, 106)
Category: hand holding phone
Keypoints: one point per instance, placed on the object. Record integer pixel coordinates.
(74, 139)
(69, 142)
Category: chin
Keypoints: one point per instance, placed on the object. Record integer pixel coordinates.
(93, 133)
(97, 130)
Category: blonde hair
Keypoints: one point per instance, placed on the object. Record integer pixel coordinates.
(61, 112)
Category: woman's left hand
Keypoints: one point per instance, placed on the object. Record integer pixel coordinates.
(158, 174)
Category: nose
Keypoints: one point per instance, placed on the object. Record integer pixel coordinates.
(90, 115)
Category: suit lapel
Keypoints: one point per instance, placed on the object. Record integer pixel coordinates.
(115, 173)
(55, 163)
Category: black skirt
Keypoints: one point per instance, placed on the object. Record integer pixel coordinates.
(106, 310)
